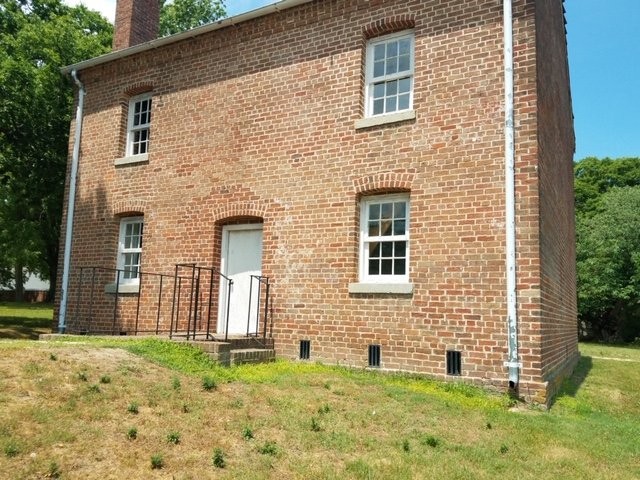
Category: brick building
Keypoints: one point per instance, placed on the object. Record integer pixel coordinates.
(356, 155)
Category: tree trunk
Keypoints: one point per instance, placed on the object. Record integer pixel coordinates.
(19, 281)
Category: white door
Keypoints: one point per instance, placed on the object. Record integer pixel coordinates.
(241, 258)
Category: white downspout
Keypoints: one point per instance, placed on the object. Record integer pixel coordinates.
(513, 362)
(71, 206)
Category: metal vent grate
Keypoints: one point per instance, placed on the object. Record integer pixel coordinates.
(374, 355)
(454, 362)
(305, 349)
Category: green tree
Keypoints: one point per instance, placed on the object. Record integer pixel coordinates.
(37, 37)
(180, 15)
(608, 247)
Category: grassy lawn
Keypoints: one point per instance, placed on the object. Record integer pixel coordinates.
(25, 320)
(86, 408)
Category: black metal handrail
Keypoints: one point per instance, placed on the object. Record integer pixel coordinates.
(261, 280)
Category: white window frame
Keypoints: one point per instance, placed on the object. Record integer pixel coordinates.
(123, 252)
(365, 239)
(132, 129)
(371, 81)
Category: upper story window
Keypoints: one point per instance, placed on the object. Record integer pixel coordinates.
(384, 239)
(138, 129)
(130, 250)
(389, 74)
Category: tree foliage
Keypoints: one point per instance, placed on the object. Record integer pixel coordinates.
(37, 37)
(180, 15)
(608, 247)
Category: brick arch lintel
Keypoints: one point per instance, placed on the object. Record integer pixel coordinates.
(124, 207)
(138, 88)
(240, 209)
(383, 182)
(387, 25)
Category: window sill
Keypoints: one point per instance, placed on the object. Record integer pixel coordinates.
(384, 119)
(398, 288)
(122, 288)
(133, 159)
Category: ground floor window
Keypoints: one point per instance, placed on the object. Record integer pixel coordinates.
(130, 250)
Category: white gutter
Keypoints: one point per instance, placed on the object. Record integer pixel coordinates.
(71, 206)
(513, 362)
(159, 42)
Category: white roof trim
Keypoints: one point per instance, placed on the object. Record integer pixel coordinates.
(210, 27)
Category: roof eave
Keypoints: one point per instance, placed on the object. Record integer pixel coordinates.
(160, 42)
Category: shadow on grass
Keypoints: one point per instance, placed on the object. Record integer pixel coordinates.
(24, 321)
(571, 385)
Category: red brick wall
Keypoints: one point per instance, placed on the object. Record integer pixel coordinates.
(556, 147)
(257, 120)
(136, 22)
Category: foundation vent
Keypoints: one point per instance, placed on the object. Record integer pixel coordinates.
(374, 355)
(305, 349)
(454, 362)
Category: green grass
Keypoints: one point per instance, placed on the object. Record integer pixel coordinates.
(25, 320)
(302, 420)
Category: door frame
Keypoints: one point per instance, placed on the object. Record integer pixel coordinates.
(224, 255)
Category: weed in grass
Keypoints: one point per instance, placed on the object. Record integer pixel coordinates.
(218, 460)
(53, 357)
(157, 461)
(93, 389)
(175, 384)
(185, 408)
(173, 437)
(324, 409)
(54, 470)
(105, 379)
(132, 433)
(209, 383)
(360, 469)
(315, 425)
(237, 403)
(247, 433)
(489, 426)
(340, 393)
(269, 448)
(11, 449)
(82, 376)
(133, 408)
(430, 441)
(327, 385)
(406, 446)
(504, 449)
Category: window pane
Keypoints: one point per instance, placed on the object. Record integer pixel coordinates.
(374, 250)
(392, 66)
(398, 227)
(399, 210)
(387, 249)
(400, 249)
(385, 227)
(403, 102)
(378, 69)
(378, 107)
(374, 229)
(378, 90)
(374, 211)
(387, 210)
(392, 49)
(404, 85)
(392, 88)
(399, 266)
(374, 267)
(386, 267)
(390, 104)
(378, 52)
(404, 63)
(405, 46)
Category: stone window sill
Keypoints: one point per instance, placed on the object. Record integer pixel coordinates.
(122, 288)
(384, 119)
(132, 160)
(397, 288)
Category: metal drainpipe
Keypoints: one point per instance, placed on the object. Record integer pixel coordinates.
(71, 206)
(513, 362)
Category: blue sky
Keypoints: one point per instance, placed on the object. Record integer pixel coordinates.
(604, 60)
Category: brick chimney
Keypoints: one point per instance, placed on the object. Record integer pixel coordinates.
(137, 21)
